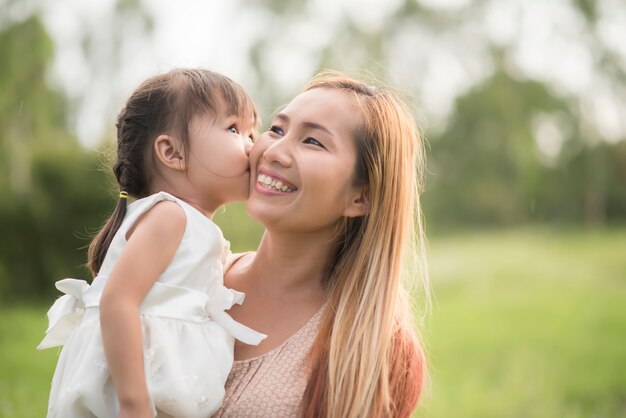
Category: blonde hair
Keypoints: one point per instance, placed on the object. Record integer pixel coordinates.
(366, 361)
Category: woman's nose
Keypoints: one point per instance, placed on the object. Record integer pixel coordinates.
(279, 152)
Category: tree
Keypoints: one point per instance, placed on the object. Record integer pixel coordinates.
(50, 186)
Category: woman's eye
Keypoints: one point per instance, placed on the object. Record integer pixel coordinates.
(278, 131)
(314, 141)
(233, 129)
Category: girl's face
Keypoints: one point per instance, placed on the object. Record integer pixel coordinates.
(218, 165)
(302, 167)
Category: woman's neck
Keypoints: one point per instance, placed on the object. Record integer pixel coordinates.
(292, 265)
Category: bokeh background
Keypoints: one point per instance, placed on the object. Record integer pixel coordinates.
(522, 102)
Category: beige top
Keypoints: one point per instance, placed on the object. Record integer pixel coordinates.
(271, 385)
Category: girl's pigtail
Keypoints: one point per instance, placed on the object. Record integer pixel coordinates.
(100, 244)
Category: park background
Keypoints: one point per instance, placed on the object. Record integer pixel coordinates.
(523, 105)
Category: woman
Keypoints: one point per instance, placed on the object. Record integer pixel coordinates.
(335, 186)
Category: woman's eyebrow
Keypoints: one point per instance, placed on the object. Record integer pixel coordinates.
(282, 117)
(309, 125)
(313, 125)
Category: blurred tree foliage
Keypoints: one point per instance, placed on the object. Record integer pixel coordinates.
(511, 152)
(51, 187)
(486, 167)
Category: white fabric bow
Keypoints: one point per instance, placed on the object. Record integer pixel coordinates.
(162, 300)
(223, 299)
(177, 302)
(65, 313)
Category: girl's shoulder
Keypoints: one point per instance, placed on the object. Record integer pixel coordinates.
(200, 234)
(144, 204)
(164, 216)
(162, 207)
(140, 206)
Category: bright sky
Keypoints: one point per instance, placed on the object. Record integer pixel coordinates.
(547, 39)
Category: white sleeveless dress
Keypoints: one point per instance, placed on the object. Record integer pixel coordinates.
(187, 337)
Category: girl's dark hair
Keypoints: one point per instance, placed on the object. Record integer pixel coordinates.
(163, 104)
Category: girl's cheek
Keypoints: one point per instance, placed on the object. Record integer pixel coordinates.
(255, 152)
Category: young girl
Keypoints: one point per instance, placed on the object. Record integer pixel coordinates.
(150, 336)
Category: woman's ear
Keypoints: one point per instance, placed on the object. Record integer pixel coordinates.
(168, 150)
(359, 203)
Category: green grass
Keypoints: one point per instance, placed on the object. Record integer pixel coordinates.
(525, 323)
(25, 373)
(528, 324)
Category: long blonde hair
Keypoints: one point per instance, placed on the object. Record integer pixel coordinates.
(366, 361)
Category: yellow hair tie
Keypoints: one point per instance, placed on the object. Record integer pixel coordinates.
(123, 195)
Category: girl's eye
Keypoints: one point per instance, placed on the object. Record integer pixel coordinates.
(314, 141)
(276, 130)
(233, 129)
(251, 139)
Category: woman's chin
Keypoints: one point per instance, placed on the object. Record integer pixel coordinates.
(261, 211)
(265, 204)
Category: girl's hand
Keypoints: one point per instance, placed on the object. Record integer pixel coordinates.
(135, 412)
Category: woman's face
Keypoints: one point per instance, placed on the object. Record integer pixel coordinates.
(302, 167)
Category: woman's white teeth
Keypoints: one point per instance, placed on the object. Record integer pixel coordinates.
(271, 183)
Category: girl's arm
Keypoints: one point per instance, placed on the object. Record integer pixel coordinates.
(149, 250)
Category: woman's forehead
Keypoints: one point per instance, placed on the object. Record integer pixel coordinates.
(332, 108)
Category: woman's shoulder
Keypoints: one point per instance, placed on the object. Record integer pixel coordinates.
(236, 261)
(235, 264)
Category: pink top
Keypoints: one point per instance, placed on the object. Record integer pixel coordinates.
(272, 384)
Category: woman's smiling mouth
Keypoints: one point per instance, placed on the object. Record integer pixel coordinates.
(274, 184)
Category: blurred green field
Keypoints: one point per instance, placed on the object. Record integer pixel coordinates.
(528, 324)
(525, 323)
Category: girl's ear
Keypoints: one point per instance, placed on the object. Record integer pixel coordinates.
(359, 203)
(168, 150)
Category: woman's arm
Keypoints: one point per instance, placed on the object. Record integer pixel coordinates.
(149, 250)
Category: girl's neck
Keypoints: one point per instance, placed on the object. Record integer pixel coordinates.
(206, 208)
(292, 265)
